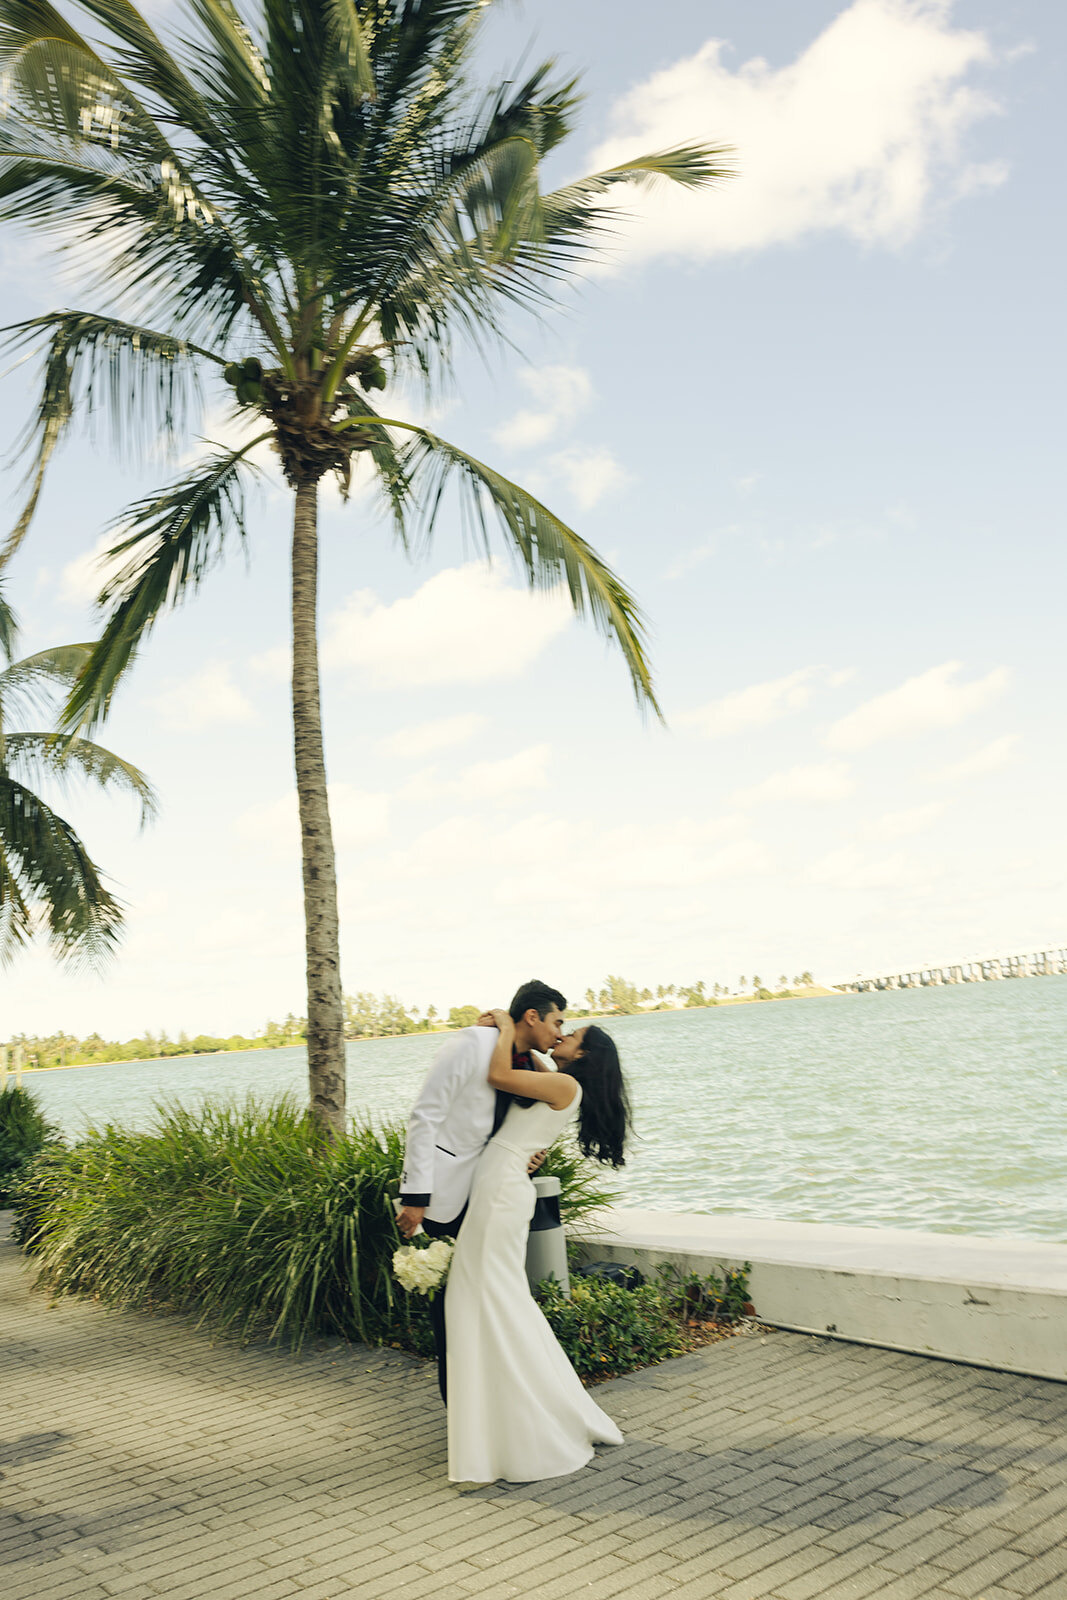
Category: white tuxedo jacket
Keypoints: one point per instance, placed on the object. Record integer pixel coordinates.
(449, 1125)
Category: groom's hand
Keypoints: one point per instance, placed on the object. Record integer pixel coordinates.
(535, 1161)
(409, 1219)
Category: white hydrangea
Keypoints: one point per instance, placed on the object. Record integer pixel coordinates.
(422, 1271)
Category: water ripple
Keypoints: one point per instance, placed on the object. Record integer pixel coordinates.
(938, 1108)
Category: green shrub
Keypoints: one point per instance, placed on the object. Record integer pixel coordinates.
(24, 1133)
(242, 1216)
(607, 1329)
(708, 1298)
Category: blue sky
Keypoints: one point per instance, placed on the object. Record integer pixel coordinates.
(810, 419)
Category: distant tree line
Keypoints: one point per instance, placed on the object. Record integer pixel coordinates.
(366, 1016)
(620, 996)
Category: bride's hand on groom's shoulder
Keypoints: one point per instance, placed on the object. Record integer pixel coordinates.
(495, 1019)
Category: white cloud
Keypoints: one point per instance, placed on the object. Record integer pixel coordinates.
(854, 136)
(930, 700)
(560, 392)
(357, 817)
(465, 625)
(226, 428)
(849, 868)
(698, 554)
(82, 579)
(426, 738)
(208, 698)
(819, 784)
(990, 758)
(274, 664)
(489, 860)
(588, 474)
(751, 707)
(493, 780)
(503, 778)
(899, 824)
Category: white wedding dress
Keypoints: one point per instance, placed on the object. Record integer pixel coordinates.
(516, 1407)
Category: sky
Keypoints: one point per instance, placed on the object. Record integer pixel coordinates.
(809, 417)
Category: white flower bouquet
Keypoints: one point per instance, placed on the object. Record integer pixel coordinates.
(422, 1271)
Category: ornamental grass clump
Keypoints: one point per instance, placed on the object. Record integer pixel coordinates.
(24, 1132)
(242, 1215)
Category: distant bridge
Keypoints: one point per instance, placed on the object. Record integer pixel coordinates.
(974, 969)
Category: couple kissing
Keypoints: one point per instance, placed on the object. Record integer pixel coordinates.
(496, 1097)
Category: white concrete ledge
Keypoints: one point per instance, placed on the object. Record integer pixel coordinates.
(998, 1303)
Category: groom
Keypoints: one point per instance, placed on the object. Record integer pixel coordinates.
(454, 1117)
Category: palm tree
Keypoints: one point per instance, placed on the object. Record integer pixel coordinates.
(311, 200)
(46, 874)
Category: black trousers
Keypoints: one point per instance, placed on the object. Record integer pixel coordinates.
(441, 1230)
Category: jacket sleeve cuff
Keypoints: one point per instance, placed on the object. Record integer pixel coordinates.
(414, 1199)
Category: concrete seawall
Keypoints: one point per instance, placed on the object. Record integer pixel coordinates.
(999, 1303)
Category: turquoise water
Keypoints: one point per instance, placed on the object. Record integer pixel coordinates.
(942, 1109)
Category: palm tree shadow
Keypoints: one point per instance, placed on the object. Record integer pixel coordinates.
(31, 1447)
(794, 1481)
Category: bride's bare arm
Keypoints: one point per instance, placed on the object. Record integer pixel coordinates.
(554, 1087)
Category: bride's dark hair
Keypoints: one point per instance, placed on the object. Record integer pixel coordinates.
(604, 1114)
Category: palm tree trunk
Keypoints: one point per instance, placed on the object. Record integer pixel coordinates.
(325, 1036)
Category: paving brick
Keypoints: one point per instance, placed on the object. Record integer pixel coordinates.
(770, 1550)
(769, 1579)
(1034, 1573)
(989, 1541)
(917, 1552)
(816, 1582)
(907, 1585)
(794, 1469)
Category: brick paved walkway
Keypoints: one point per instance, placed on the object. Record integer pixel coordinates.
(140, 1460)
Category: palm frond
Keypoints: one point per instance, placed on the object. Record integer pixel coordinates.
(64, 88)
(233, 70)
(450, 251)
(62, 757)
(30, 685)
(54, 412)
(144, 59)
(16, 918)
(575, 216)
(390, 473)
(147, 379)
(47, 871)
(349, 31)
(173, 540)
(9, 627)
(551, 553)
(154, 235)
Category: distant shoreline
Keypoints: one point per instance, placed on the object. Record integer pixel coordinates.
(816, 991)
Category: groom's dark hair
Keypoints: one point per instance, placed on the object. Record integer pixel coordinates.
(537, 996)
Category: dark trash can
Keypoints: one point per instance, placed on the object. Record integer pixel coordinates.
(612, 1272)
(546, 1249)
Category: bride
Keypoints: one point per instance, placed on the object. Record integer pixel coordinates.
(516, 1407)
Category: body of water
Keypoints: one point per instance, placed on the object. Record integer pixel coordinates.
(941, 1109)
